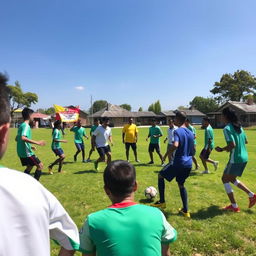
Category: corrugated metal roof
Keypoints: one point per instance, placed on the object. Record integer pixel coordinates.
(144, 114)
(243, 106)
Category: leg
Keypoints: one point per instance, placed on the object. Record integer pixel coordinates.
(38, 172)
(54, 163)
(203, 162)
(28, 169)
(108, 157)
(90, 154)
(195, 162)
(134, 148)
(61, 160)
(83, 154)
(151, 156)
(76, 154)
(160, 156)
(127, 148)
(226, 179)
(161, 188)
(184, 197)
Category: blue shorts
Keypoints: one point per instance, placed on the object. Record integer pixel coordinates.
(58, 151)
(79, 146)
(169, 172)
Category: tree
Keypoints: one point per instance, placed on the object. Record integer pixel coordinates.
(98, 105)
(126, 106)
(47, 111)
(151, 107)
(155, 107)
(140, 109)
(182, 108)
(234, 86)
(20, 99)
(205, 105)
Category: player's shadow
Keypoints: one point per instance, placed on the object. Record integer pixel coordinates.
(146, 201)
(86, 171)
(140, 164)
(68, 162)
(207, 213)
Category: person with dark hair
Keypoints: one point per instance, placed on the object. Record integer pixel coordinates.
(56, 147)
(96, 123)
(30, 214)
(208, 146)
(154, 134)
(79, 142)
(193, 130)
(125, 228)
(236, 146)
(24, 148)
(130, 138)
(100, 139)
(181, 167)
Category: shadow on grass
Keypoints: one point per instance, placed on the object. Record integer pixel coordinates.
(207, 213)
(146, 201)
(86, 171)
(140, 164)
(68, 162)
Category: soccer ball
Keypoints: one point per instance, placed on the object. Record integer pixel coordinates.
(150, 192)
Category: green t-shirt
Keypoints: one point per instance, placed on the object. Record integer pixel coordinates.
(126, 229)
(208, 135)
(56, 135)
(24, 148)
(93, 128)
(79, 134)
(155, 130)
(239, 153)
(193, 130)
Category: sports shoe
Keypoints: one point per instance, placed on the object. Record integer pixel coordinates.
(88, 160)
(231, 208)
(151, 162)
(252, 201)
(137, 161)
(205, 172)
(163, 164)
(185, 214)
(215, 164)
(96, 166)
(84, 161)
(50, 171)
(158, 204)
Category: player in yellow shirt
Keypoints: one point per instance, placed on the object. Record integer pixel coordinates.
(130, 138)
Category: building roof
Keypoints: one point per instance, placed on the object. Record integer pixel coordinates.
(144, 114)
(243, 106)
(168, 113)
(40, 116)
(193, 112)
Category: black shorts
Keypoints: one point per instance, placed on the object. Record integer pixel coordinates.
(30, 161)
(128, 145)
(169, 172)
(205, 153)
(103, 150)
(152, 147)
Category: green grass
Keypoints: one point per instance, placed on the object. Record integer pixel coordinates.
(208, 232)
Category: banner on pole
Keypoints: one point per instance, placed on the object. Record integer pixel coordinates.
(67, 115)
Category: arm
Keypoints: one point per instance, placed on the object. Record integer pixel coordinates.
(110, 140)
(39, 143)
(228, 148)
(64, 252)
(165, 250)
(123, 134)
(136, 136)
(56, 140)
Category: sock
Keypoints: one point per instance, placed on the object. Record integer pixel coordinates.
(250, 194)
(235, 205)
(27, 171)
(184, 198)
(161, 188)
(37, 174)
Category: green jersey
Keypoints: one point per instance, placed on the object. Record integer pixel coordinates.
(155, 130)
(193, 130)
(239, 153)
(79, 134)
(208, 136)
(93, 128)
(56, 136)
(126, 229)
(24, 148)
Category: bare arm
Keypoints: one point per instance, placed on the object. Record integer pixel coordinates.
(65, 252)
(110, 139)
(123, 134)
(39, 143)
(228, 148)
(165, 250)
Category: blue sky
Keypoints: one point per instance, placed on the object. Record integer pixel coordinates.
(125, 51)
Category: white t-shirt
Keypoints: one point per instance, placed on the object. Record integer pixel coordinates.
(30, 215)
(171, 134)
(102, 136)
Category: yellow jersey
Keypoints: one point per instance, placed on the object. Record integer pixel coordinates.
(130, 131)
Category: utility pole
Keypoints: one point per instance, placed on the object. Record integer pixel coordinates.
(91, 111)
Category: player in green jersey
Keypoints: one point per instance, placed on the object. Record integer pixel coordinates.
(96, 123)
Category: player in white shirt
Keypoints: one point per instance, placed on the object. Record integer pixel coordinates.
(101, 136)
(30, 214)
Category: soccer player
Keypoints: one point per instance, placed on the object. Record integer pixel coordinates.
(30, 214)
(208, 146)
(236, 145)
(154, 134)
(193, 130)
(100, 139)
(130, 138)
(56, 147)
(170, 138)
(181, 167)
(79, 142)
(125, 227)
(24, 148)
(96, 122)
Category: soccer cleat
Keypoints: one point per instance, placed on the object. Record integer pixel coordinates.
(137, 161)
(231, 208)
(84, 161)
(205, 172)
(88, 160)
(151, 162)
(50, 171)
(252, 201)
(96, 166)
(215, 164)
(185, 214)
(158, 204)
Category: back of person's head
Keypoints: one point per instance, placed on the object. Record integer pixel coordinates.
(180, 117)
(4, 100)
(187, 120)
(120, 178)
(232, 118)
(207, 119)
(105, 120)
(56, 125)
(26, 113)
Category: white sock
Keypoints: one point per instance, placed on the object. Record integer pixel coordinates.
(250, 194)
(235, 205)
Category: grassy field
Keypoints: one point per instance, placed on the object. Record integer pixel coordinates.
(208, 232)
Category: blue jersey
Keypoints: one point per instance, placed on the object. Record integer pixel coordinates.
(185, 150)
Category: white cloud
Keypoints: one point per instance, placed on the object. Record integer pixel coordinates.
(79, 88)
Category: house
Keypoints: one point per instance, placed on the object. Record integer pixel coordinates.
(41, 120)
(83, 116)
(246, 112)
(144, 117)
(194, 115)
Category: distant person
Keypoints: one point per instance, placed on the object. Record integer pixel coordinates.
(101, 136)
(154, 134)
(208, 146)
(130, 138)
(170, 138)
(56, 147)
(180, 169)
(30, 215)
(125, 227)
(236, 146)
(193, 130)
(79, 141)
(24, 148)
(96, 123)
